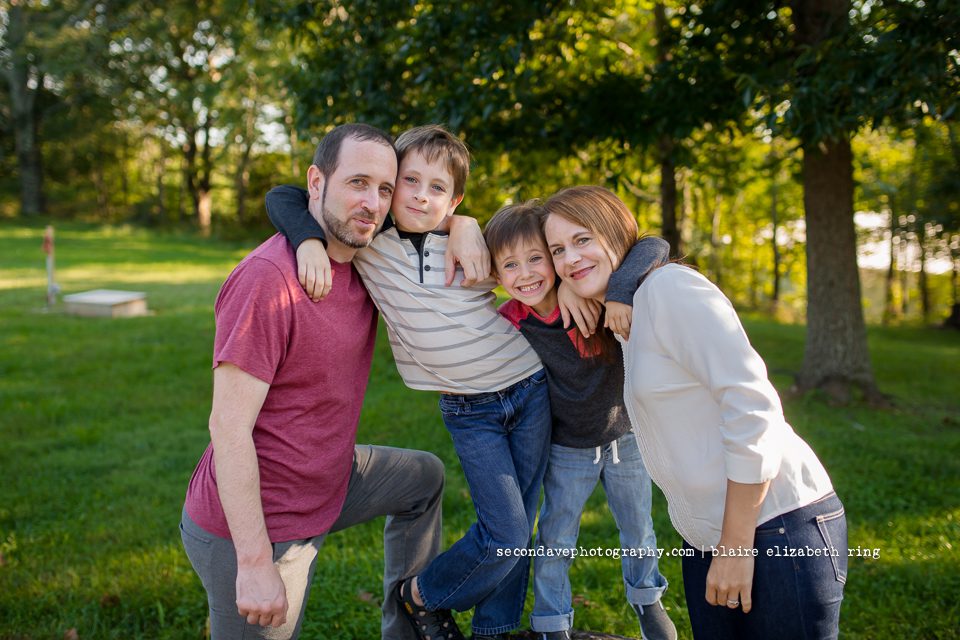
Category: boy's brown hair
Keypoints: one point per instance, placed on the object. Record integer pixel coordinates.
(436, 143)
(512, 224)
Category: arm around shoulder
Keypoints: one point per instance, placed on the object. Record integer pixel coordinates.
(288, 212)
(646, 255)
(467, 248)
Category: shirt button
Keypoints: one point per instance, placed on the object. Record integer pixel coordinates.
(782, 530)
(426, 268)
(426, 253)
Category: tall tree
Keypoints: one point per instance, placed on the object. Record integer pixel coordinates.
(52, 55)
(835, 66)
(182, 54)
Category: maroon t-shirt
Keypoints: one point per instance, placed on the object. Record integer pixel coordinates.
(316, 358)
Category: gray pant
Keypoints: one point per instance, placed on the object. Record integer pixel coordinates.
(402, 484)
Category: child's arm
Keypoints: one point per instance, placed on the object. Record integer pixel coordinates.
(313, 269)
(467, 247)
(584, 313)
(646, 255)
(287, 210)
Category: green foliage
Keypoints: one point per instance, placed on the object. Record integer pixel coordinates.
(145, 108)
(103, 420)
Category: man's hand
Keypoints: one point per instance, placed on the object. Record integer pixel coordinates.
(466, 247)
(618, 318)
(585, 313)
(313, 269)
(730, 580)
(261, 596)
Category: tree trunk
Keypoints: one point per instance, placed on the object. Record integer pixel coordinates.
(954, 276)
(835, 355)
(125, 168)
(294, 146)
(715, 240)
(184, 190)
(923, 282)
(775, 299)
(904, 307)
(25, 139)
(190, 170)
(100, 184)
(242, 181)
(889, 310)
(953, 320)
(20, 75)
(161, 168)
(668, 196)
(197, 178)
(668, 168)
(204, 210)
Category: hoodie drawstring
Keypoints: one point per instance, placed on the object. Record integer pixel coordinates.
(613, 449)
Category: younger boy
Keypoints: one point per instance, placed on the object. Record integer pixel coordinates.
(591, 439)
(494, 396)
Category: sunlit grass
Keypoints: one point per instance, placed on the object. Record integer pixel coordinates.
(102, 422)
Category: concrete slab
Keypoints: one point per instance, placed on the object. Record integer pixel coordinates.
(107, 303)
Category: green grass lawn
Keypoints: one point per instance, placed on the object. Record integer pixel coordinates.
(102, 421)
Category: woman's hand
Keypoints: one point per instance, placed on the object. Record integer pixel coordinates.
(618, 318)
(313, 269)
(730, 579)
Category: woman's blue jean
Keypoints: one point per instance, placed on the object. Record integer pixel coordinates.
(502, 439)
(796, 593)
(572, 474)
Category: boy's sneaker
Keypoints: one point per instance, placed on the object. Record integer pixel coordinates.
(428, 625)
(655, 624)
(496, 636)
(555, 635)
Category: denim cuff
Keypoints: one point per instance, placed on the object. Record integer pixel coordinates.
(645, 596)
(553, 622)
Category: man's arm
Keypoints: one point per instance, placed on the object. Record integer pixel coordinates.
(237, 399)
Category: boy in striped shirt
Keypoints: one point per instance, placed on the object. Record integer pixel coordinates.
(451, 339)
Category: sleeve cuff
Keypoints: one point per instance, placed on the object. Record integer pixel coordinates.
(753, 467)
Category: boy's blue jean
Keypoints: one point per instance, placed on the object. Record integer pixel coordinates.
(571, 477)
(502, 439)
(795, 597)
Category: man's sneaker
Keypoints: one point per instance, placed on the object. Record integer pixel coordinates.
(428, 625)
(655, 624)
(554, 635)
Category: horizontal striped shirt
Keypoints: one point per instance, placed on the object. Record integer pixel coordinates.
(443, 338)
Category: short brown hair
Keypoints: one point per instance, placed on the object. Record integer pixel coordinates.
(326, 157)
(436, 143)
(511, 224)
(599, 210)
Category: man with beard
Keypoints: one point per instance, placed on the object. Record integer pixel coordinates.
(283, 468)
